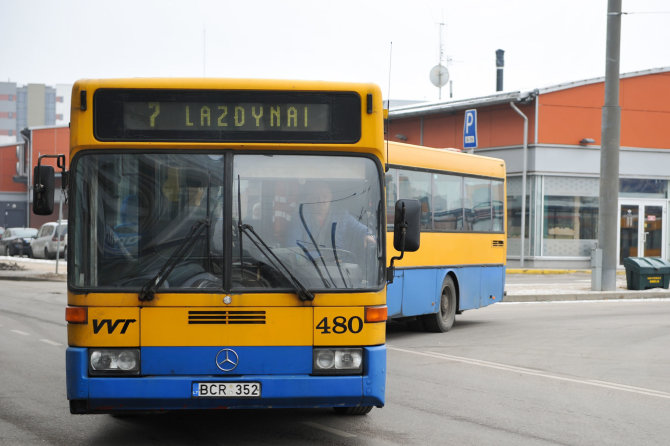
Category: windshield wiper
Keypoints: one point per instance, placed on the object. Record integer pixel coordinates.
(316, 247)
(337, 260)
(148, 291)
(248, 230)
(257, 240)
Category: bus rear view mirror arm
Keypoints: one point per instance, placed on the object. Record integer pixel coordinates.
(406, 231)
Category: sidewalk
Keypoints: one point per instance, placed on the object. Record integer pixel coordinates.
(24, 268)
(538, 285)
(521, 285)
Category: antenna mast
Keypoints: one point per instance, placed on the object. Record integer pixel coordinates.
(439, 75)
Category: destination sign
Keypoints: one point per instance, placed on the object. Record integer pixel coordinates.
(233, 117)
(196, 115)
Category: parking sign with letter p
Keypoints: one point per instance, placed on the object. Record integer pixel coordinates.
(470, 129)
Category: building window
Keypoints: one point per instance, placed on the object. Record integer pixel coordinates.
(643, 188)
(514, 186)
(570, 216)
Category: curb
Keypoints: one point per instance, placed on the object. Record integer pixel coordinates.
(589, 295)
(48, 277)
(554, 271)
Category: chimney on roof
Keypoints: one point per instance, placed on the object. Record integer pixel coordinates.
(500, 64)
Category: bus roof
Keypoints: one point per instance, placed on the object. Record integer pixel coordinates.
(447, 160)
(222, 83)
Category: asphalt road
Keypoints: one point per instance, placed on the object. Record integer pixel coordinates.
(569, 373)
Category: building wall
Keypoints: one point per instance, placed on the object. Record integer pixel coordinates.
(567, 116)
(36, 101)
(14, 197)
(562, 182)
(31, 106)
(497, 126)
(8, 162)
(63, 99)
(7, 109)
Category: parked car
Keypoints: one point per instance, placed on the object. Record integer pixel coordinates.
(45, 244)
(17, 241)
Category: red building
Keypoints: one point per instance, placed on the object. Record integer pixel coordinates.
(17, 161)
(563, 162)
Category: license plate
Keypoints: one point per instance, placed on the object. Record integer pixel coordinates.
(226, 390)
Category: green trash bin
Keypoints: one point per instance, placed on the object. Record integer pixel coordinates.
(646, 272)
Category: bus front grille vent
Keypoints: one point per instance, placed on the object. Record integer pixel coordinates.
(226, 317)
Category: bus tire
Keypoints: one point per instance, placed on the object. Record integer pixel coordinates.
(358, 410)
(443, 320)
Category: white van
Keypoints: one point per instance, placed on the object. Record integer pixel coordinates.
(46, 242)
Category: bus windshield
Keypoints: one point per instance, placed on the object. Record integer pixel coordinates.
(181, 217)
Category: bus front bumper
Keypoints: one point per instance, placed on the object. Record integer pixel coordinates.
(111, 394)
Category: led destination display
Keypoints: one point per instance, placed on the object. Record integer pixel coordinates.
(245, 116)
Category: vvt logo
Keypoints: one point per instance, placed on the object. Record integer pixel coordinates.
(111, 326)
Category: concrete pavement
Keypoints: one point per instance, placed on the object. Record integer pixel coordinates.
(24, 268)
(521, 285)
(533, 285)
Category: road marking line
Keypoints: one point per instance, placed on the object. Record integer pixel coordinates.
(532, 372)
(50, 342)
(632, 300)
(23, 333)
(332, 430)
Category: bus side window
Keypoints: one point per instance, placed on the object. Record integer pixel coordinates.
(417, 185)
(447, 202)
(478, 205)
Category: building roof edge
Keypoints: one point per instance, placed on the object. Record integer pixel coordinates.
(428, 108)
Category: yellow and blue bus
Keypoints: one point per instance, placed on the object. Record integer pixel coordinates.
(226, 245)
(461, 262)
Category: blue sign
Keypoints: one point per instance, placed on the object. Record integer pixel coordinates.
(470, 129)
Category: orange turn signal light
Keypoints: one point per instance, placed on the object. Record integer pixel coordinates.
(76, 315)
(376, 314)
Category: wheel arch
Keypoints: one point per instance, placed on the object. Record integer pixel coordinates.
(454, 278)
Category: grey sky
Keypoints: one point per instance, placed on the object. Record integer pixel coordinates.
(545, 42)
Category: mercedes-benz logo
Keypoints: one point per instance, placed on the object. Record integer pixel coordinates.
(227, 359)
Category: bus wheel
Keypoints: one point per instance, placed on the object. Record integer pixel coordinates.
(358, 410)
(443, 320)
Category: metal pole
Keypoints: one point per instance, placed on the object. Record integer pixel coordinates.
(58, 228)
(523, 182)
(609, 152)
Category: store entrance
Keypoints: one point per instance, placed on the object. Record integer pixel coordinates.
(642, 228)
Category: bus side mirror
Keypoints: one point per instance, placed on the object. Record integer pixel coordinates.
(406, 231)
(43, 190)
(406, 225)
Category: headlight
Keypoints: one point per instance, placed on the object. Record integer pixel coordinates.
(338, 361)
(117, 361)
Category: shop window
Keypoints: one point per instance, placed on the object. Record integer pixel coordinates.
(570, 225)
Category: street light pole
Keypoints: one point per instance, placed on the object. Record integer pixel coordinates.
(609, 151)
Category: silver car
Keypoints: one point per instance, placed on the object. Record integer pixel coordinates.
(46, 242)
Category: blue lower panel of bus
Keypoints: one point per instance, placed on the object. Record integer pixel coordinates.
(167, 383)
(417, 291)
